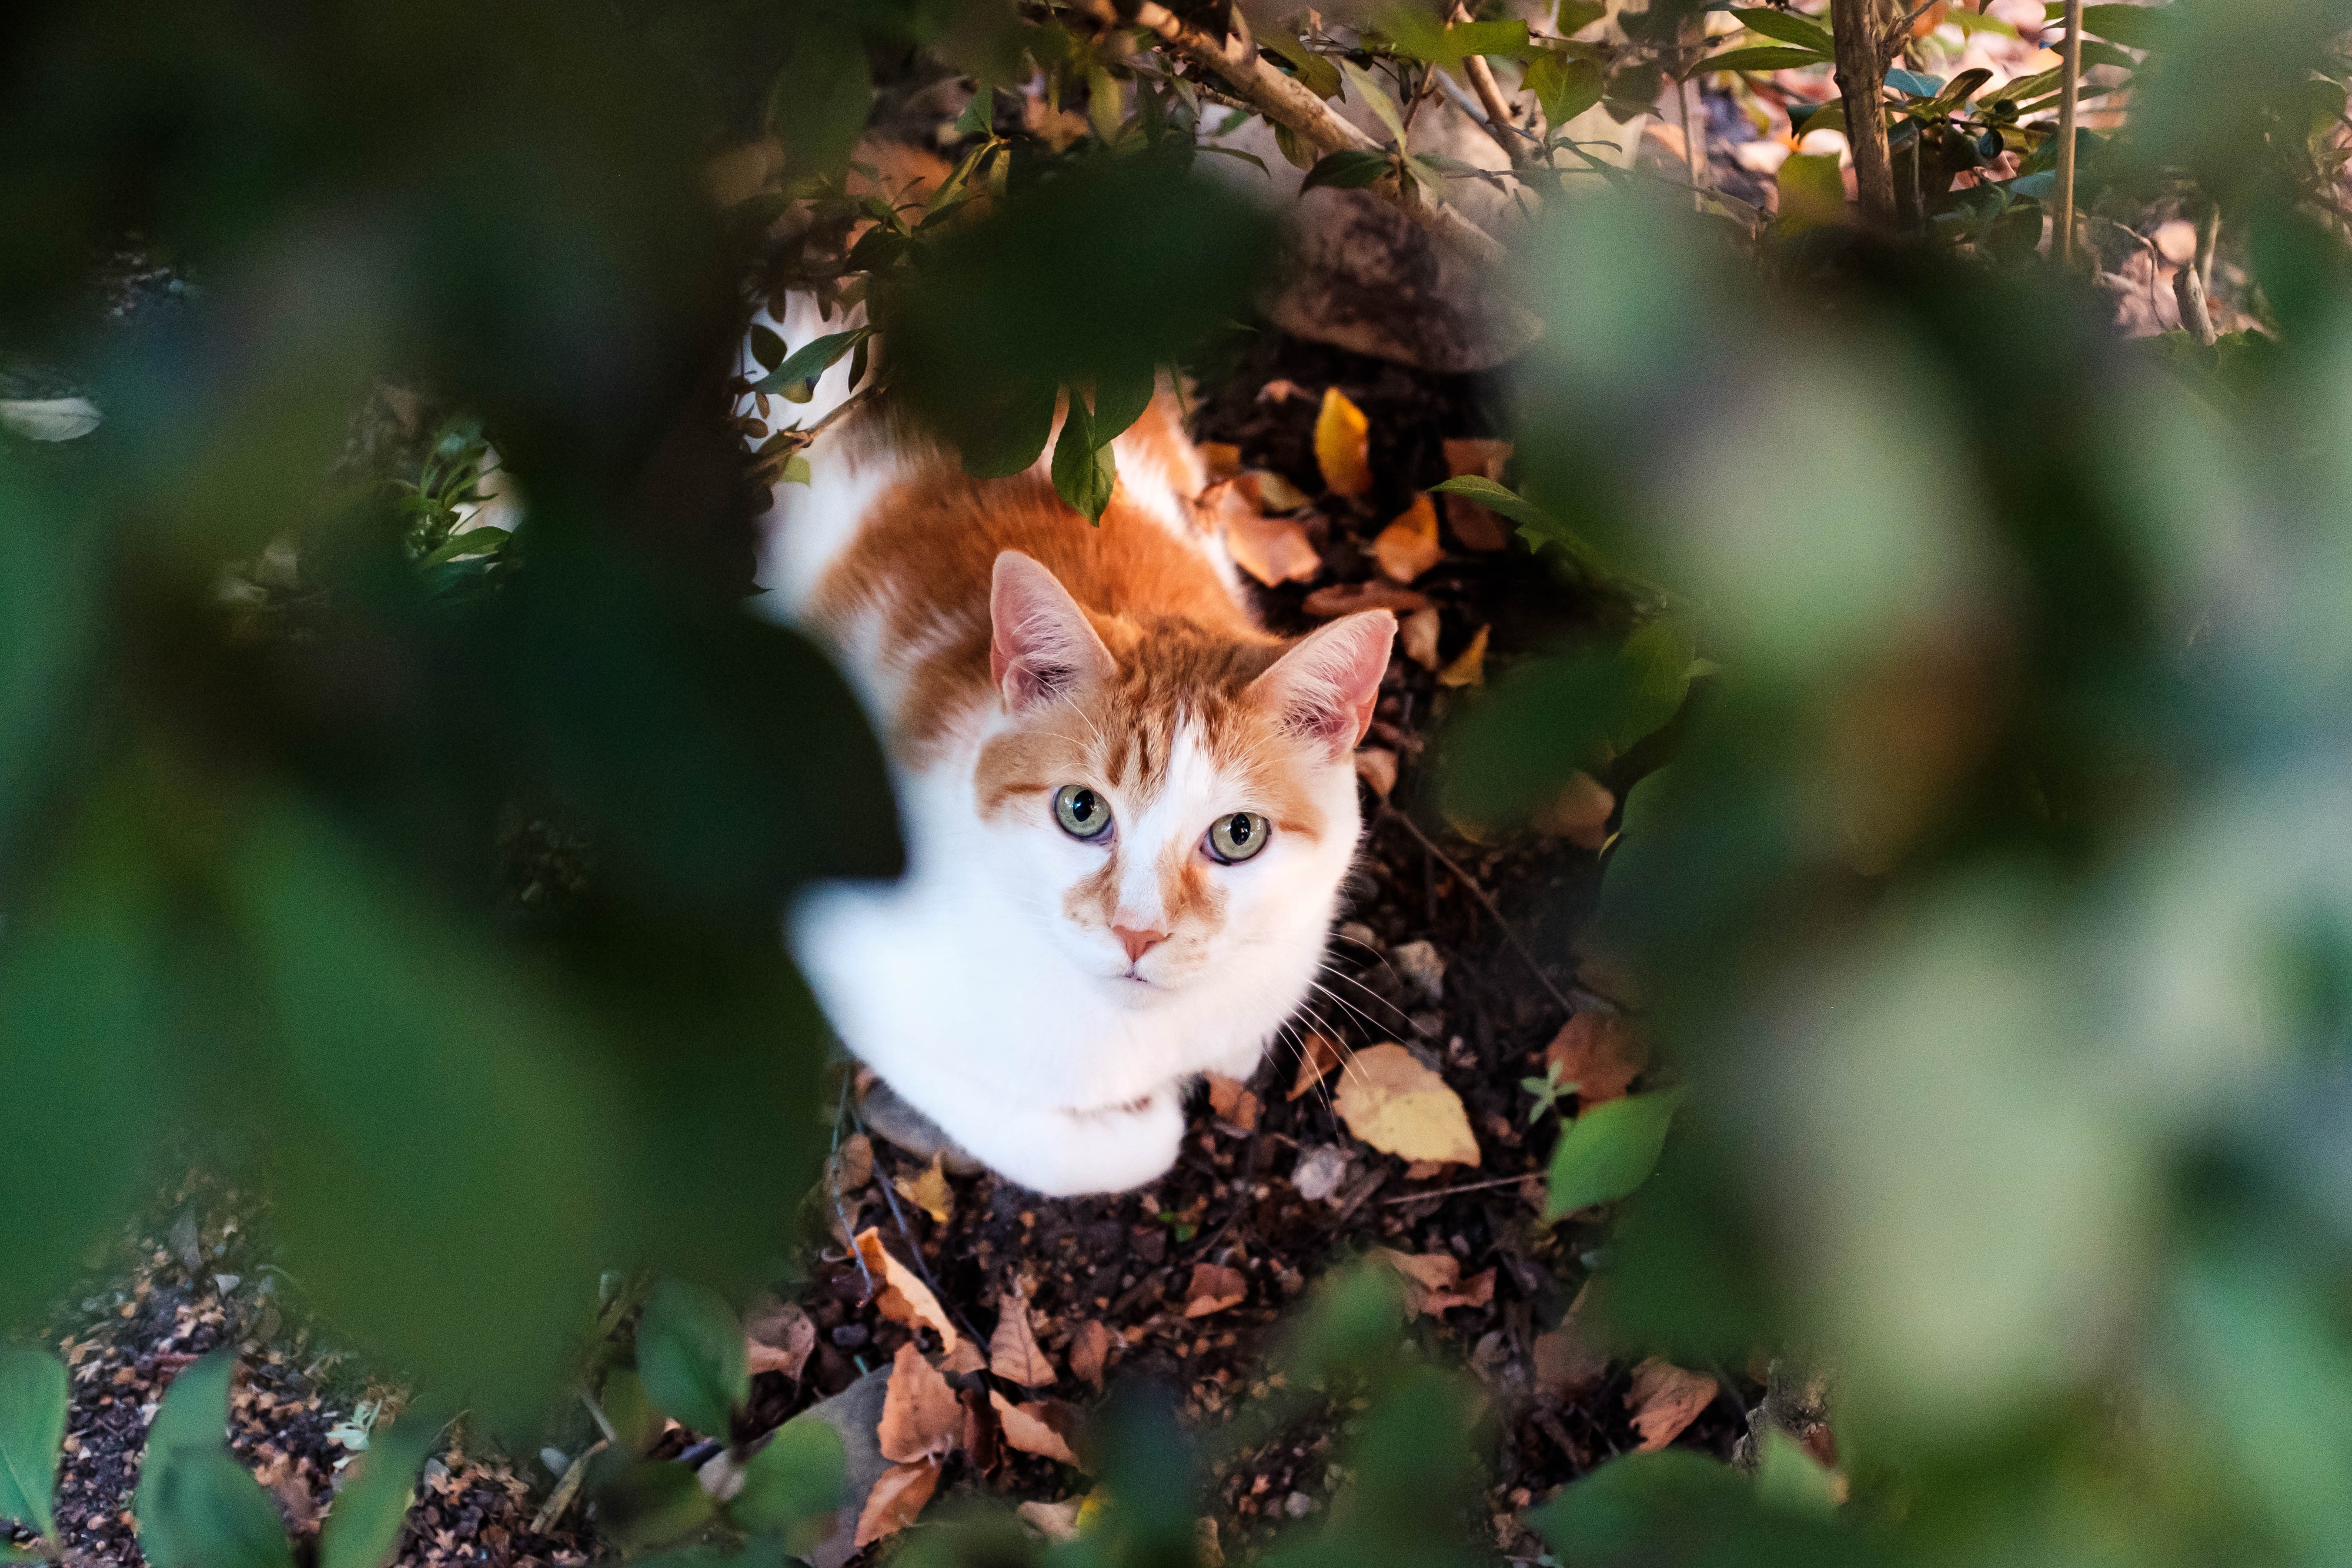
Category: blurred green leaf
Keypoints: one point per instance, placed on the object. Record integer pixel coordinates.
(794, 1478)
(692, 1356)
(32, 1425)
(1316, 71)
(197, 1507)
(1788, 27)
(652, 1503)
(1609, 1151)
(1349, 168)
(1566, 87)
(372, 1503)
(1575, 15)
(1761, 58)
(822, 96)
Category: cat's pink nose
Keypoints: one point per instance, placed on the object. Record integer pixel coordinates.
(1138, 943)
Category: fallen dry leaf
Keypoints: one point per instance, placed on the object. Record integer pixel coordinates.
(1343, 445)
(852, 1165)
(1475, 526)
(1053, 1521)
(1418, 637)
(1012, 1352)
(1601, 1055)
(1275, 550)
(1317, 1057)
(1232, 1103)
(983, 1437)
(1568, 1360)
(1346, 598)
(1469, 666)
(1223, 458)
(922, 1418)
(1090, 1349)
(1579, 813)
(1212, 1289)
(1407, 547)
(1377, 767)
(1270, 492)
(897, 1498)
(929, 1191)
(1399, 1107)
(1280, 390)
(779, 1336)
(1433, 1283)
(1034, 1429)
(1664, 1399)
(901, 1296)
(965, 1358)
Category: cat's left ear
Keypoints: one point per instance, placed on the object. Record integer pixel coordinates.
(1326, 687)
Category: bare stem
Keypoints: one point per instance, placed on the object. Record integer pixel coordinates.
(2070, 87)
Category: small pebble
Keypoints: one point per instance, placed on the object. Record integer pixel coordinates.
(1299, 1505)
(1321, 1171)
(1420, 966)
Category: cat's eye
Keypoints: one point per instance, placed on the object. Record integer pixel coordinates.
(1237, 837)
(1082, 813)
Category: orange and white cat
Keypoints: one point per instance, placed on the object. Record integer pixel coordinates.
(1128, 807)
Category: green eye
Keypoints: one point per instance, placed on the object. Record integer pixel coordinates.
(1082, 813)
(1237, 837)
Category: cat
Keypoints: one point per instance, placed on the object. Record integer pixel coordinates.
(1128, 809)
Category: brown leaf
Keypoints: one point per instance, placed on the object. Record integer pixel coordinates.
(1346, 598)
(897, 1498)
(1343, 445)
(852, 1165)
(1280, 391)
(1568, 1360)
(780, 1336)
(1579, 813)
(1223, 459)
(984, 1445)
(1270, 492)
(1601, 1055)
(1469, 666)
(1232, 1103)
(1033, 1428)
(1433, 1283)
(1399, 1107)
(920, 1417)
(1407, 547)
(1012, 1352)
(1664, 1399)
(1418, 637)
(1317, 1058)
(1212, 1289)
(1474, 526)
(901, 1296)
(1090, 1349)
(1275, 550)
(965, 1358)
(1377, 767)
(929, 1191)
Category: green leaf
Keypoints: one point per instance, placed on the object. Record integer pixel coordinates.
(1765, 57)
(1083, 472)
(197, 1506)
(1377, 98)
(2133, 27)
(32, 1425)
(1011, 434)
(1801, 31)
(1575, 15)
(652, 1502)
(1252, 159)
(810, 361)
(797, 1477)
(372, 1503)
(767, 348)
(1295, 150)
(1913, 84)
(690, 1352)
(1349, 168)
(1120, 398)
(1565, 86)
(483, 540)
(1609, 1151)
(796, 469)
(818, 104)
(1320, 77)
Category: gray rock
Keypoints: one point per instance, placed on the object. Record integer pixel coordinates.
(855, 1412)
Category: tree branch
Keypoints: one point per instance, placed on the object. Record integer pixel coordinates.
(2070, 87)
(1499, 124)
(1862, 79)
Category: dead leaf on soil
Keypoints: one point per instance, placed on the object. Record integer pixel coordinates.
(1223, 458)
(1407, 547)
(1473, 524)
(1012, 1352)
(1317, 1058)
(1377, 767)
(1033, 1429)
(1275, 550)
(1579, 813)
(779, 1337)
(922, 1418)
(1345, 598)
(1270, 492)
(901, 1296)
(1053, 1521)
(929, 1192)
(1343, 445)
(897, 1498)
(1418, 637)
(1568, 1360)
(1399, 1107)
(1664, 1399)
(1281, 390)
(1601, 1055)
(852, 1165)
(1212, 1289)
(1469, 666)
(984, 1446)
(965, 1358)
(1232, 1103)
(1090, 1349)
(1434, 1282)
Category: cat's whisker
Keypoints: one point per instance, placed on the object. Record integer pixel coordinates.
(1350, 979)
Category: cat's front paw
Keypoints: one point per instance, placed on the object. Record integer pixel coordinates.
(1110, 1150)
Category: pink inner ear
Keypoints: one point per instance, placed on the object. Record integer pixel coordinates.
(1328, 685)
(1040, 642)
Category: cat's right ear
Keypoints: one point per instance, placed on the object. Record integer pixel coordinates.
(1041, 644)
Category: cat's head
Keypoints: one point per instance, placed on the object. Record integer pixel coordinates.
(1179, 805)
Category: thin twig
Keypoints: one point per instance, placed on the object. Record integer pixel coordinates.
(2071, 85)
(1487, 903)
(1490, 94)
(1899, 35)
(1465, 1186)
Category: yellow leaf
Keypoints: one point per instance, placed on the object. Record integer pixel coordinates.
(1407, 547)
(929, 1192)
(1399, 1107)
(1469, 667)
(1418, 637)
(1343, 445)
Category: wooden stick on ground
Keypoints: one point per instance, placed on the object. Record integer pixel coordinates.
(2070, 89)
